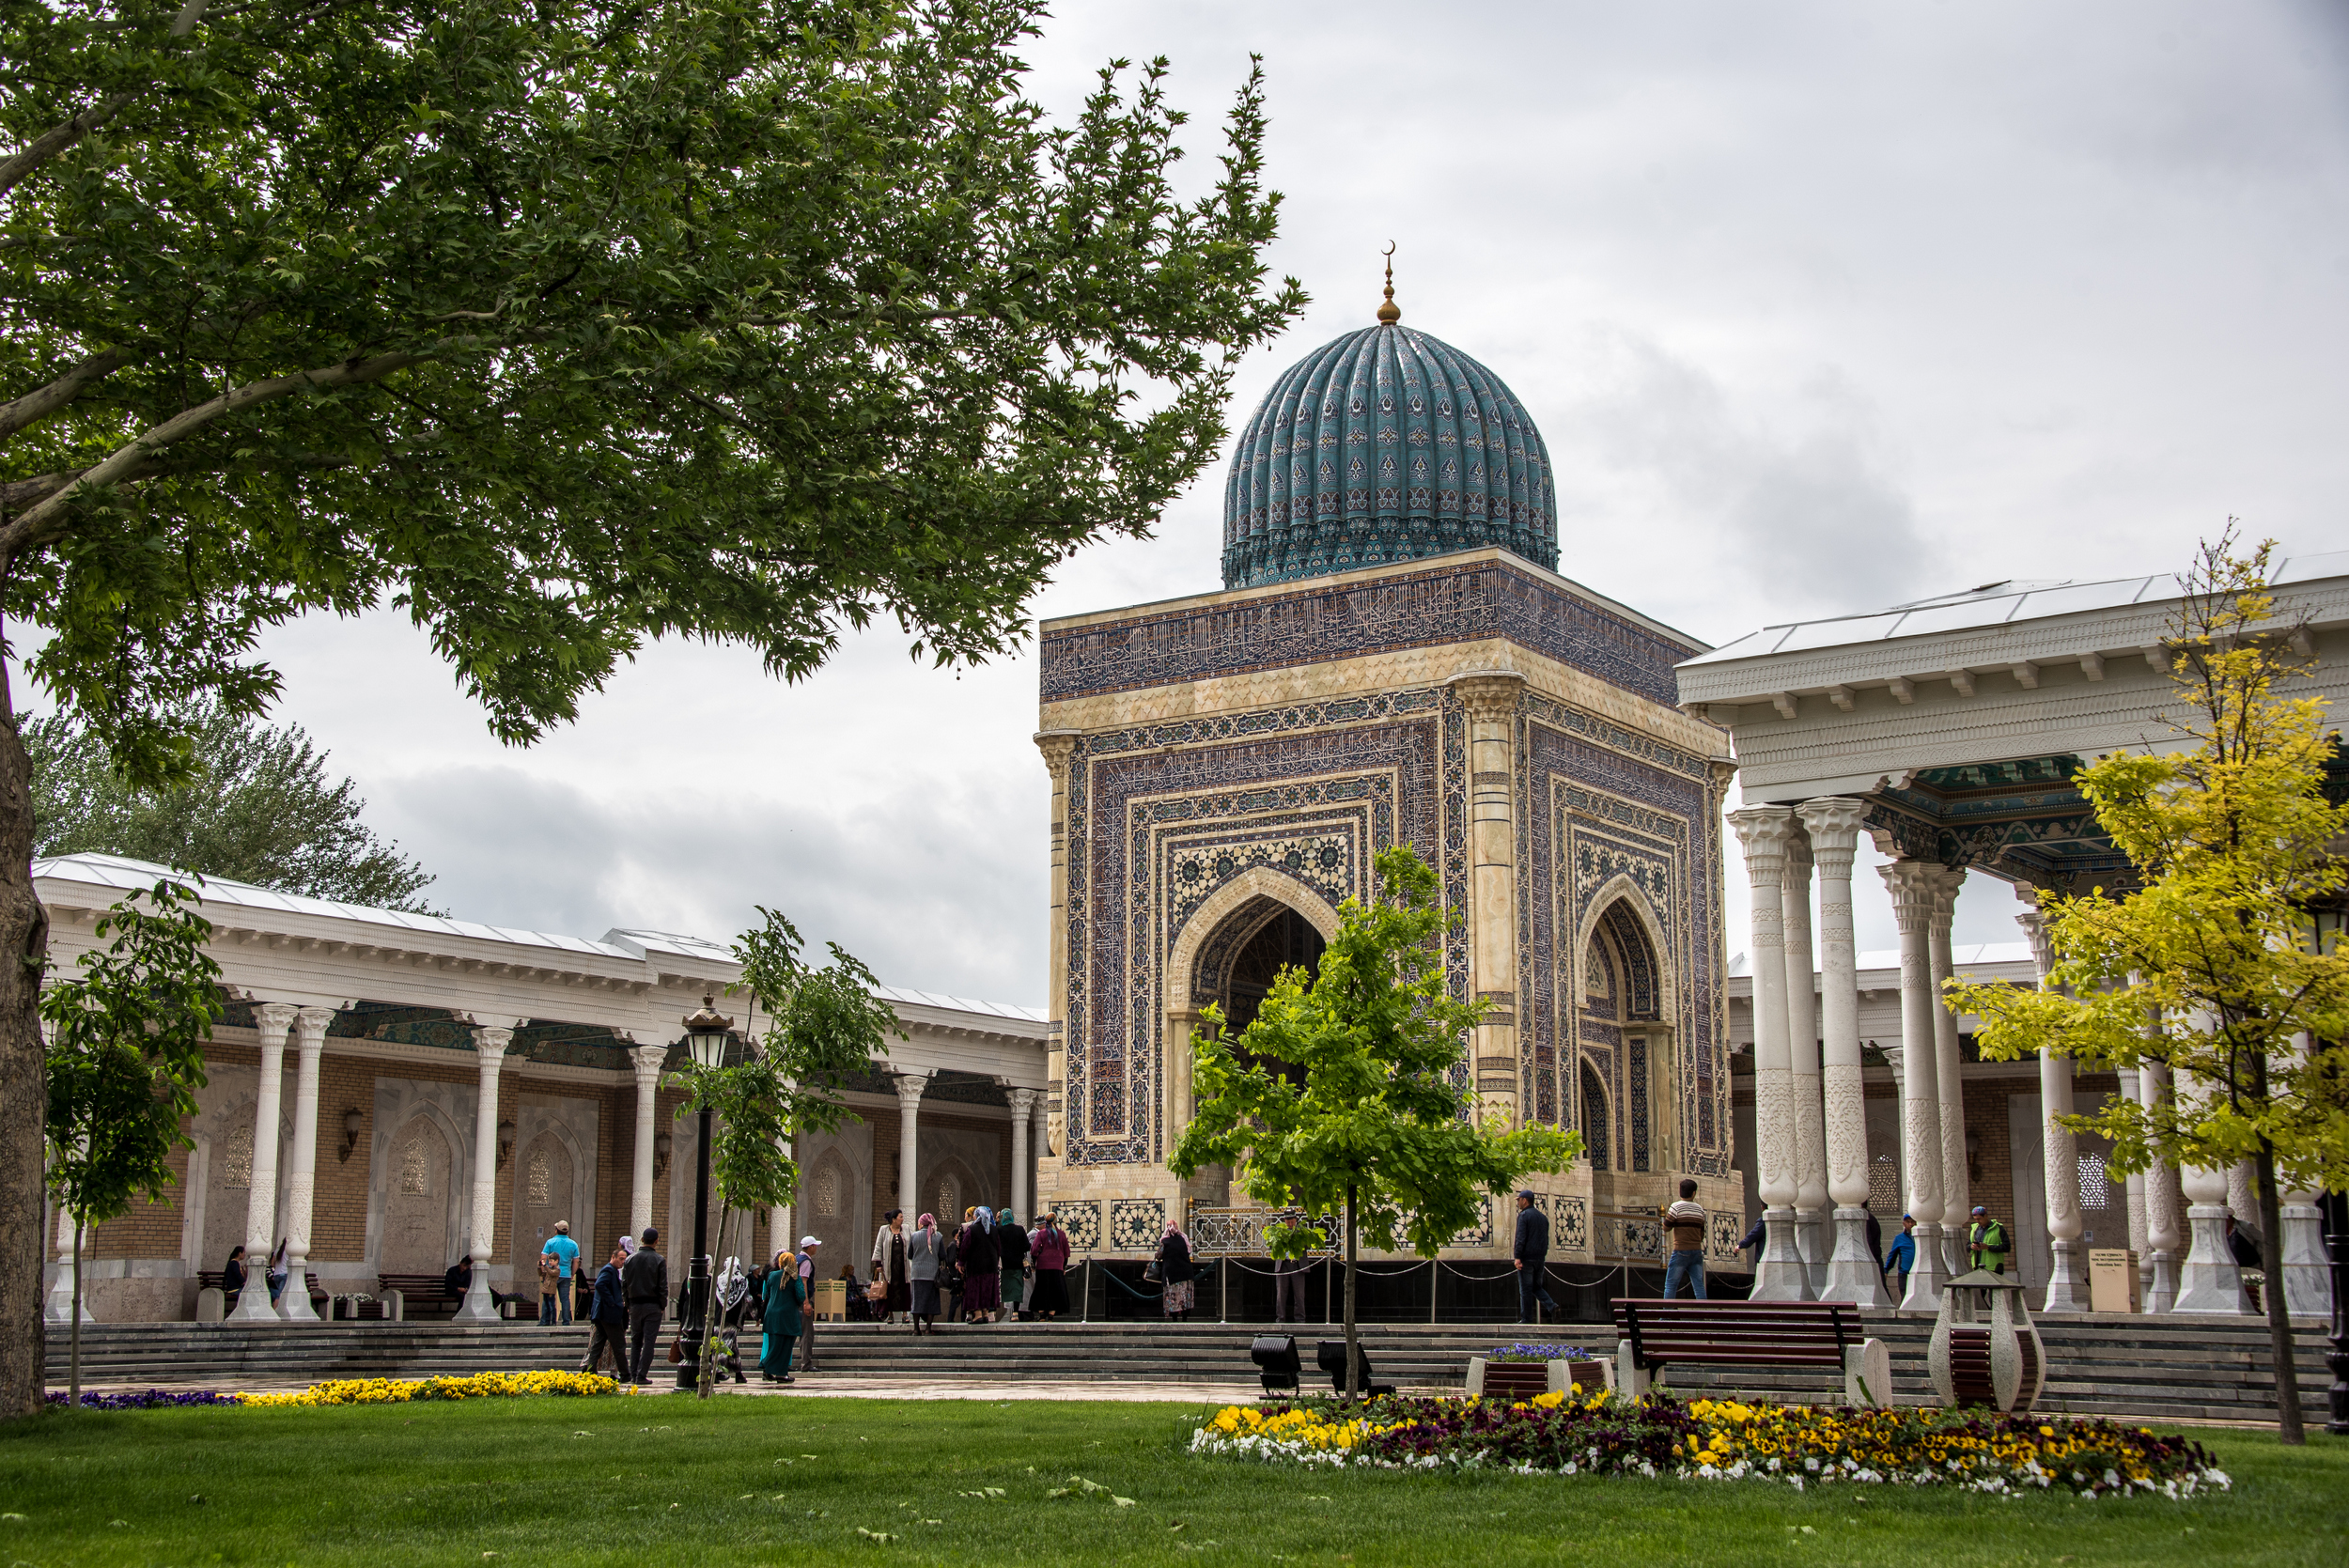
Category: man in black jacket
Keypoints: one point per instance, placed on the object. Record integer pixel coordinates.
(645, 1280)
(1533, 1252)
(607, 1309)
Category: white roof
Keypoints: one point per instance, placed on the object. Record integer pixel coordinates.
(1977, 955)
(622, 942)
(2000, 603)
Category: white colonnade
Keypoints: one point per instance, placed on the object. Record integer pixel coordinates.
(489, 1050)
(270, 1020)
(1802, 1052)
(1852, 1272)
(1781, 1276)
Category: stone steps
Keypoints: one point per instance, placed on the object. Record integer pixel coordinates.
(2149, 1368)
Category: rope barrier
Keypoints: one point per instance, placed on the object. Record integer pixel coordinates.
(1111, 1275)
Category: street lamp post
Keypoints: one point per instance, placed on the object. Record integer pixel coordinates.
(705, 1034)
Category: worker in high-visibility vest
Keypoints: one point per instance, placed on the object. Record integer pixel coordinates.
(1988, 1241)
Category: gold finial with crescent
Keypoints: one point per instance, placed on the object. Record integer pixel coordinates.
(1389, 314)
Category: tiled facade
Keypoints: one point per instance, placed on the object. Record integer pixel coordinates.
(1221, 759)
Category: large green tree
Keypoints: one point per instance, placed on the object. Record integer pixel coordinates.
(1344, 1095)
(2215, 969)
(259, 809)
(562, 327)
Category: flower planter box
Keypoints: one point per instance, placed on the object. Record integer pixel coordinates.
(1514, 1380)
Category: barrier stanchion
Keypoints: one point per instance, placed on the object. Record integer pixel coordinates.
(1434, 1278)
(1222, 1291)
(1087, 1315)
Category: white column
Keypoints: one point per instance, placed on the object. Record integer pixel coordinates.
(2161, 1203)
(1763, 830)
(2209, 1282)
(779, 1234)
(270, 1020)
(1022, 1162)
(1949, 1083)
(1852, 1275)
(2067, 1281)
(909, 1087)
(2135, 1188)
(647, 1060)
(1913, 886)
(58, 1309)
(2307, 1278)
(489, 1050)
(1811, 1234)
(302, 1165)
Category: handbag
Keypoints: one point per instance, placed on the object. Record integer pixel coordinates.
(876, 1291)
(1152, 1273)
(677, 1350)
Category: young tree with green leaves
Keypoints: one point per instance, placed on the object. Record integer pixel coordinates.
(2214, 969)
(563, 328)
(824, 1025)
(1373, 1121)
(259, 809)
(125, 1058)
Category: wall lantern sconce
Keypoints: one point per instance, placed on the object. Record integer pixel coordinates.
(660, 1156)
(351, 1120)
(1973, 1154)
(505, 1143)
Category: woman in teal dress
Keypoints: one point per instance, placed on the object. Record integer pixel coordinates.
(784, 1296)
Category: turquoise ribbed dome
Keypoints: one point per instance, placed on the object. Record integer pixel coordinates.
(1385, 446)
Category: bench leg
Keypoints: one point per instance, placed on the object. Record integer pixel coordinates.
(1868, 1374)
(1630, 1382)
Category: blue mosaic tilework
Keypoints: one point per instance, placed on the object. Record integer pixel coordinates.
(1456, 602)
(1082, 1222)
(1347, 776)
(1649, 812)
(1136, 1224)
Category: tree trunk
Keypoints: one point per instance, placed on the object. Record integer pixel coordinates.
(707, 1383)
(23, 1080)
(73, 1334)
(2288, 1428)
(1353, 1338)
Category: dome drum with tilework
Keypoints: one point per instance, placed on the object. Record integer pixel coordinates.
(1386, 446)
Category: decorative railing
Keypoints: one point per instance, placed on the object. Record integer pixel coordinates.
(1240, 1233)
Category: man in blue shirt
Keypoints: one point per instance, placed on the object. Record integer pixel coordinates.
(565, 1252)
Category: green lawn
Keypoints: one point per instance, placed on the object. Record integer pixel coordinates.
(664, 1480)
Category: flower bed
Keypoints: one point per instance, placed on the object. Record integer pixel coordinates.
(481, 1385)
(146, 1399)
(1721, 1440)
(1511, 1353)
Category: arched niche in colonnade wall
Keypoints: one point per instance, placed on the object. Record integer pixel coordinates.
(420, 1230)
(547, 1168)
(1621, 930)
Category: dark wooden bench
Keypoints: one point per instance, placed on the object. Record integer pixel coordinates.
(1658, 1334)
(210, 1280)
(421, 1296)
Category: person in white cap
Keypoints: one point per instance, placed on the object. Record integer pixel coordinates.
(807, 1281)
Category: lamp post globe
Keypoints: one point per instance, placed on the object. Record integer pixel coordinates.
(707, 1032)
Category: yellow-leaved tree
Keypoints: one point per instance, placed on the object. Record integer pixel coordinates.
(2217, 969)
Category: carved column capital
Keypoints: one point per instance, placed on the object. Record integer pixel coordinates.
(648, 1060)
(1915, 887)
(2034, 927)
(272, 1019)
(1721, 770)
(909, 1087)
(1762, 833)
(1022, 1102)
(1058, 746)
(490, 1043)
(310, 1024)
(1832, 823)
(1491, 696)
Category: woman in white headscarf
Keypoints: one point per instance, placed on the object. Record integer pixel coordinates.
(923, 1250)
(730, 1293)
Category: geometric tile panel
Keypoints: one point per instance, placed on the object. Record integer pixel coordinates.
(1136, 1224)
(1082, 1222)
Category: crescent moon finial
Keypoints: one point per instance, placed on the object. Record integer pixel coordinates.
(1388, 314)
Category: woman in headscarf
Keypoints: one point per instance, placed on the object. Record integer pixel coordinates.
(922, 1250)
(1048, 1249)
(1013, 1243)
(781, 1305)
(982, 1265)
(278, 1272)
(889, 1264)
(731, 1295)
(1177, 1273)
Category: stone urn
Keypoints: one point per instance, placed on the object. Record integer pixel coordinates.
(1986, 1349)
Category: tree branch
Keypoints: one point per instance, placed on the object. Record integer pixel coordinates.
(45, 520)
(58, 138)
(38, 405)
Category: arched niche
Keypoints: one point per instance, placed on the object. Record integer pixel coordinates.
(1590, 1115)
(1624, 982)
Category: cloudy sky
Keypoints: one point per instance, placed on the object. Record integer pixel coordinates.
(1820, 307)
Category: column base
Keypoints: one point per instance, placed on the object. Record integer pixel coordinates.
(477, 1307)
(2161, 1281)
(59, 1306)
(2307, 1274)
(2067, 1290)
(1815, 1238)
(2210, 1281)
(1852, 1274)
(1927, 1277)
(294, 1306)
(1782, 1276)
(253, 1303)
